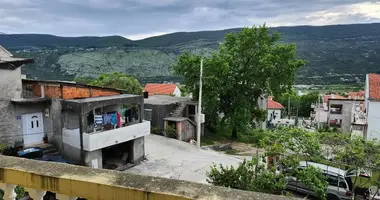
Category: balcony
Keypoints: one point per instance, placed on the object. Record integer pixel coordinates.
(99, 140)
(69, 182)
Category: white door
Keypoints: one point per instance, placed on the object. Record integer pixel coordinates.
(33, 128)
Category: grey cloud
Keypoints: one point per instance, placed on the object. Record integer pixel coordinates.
(129, 17)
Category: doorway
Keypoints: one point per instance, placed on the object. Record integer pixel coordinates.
(33, 128)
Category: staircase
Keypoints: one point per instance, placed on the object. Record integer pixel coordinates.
(179, 110)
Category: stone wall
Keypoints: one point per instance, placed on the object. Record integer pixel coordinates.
(10, 87)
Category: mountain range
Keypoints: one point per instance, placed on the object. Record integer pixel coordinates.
(334, 54)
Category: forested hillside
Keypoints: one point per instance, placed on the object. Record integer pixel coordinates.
(335, 54)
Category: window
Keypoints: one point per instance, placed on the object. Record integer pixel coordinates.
(336, 109)
(32, 124)
(37, 123)
(332, 180)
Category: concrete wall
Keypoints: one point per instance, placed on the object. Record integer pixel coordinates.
(35, 108)
(56, 116)
(94, 157)
(70, 120)
(373, 131)
(138, 150)
(188, 131)
(95, 141)
(345, 116)
(159, 112)
(71, 145)
(10, 88)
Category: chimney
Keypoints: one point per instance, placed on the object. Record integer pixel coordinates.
(270, 98)
(146, 94)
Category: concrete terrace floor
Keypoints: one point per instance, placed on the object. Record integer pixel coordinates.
(170, 158)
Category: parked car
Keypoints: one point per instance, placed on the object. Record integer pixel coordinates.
(339, 187)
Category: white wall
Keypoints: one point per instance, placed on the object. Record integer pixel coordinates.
(177, 92)
(373, 120)
(95, 141)
(321, 115)
(276, 112)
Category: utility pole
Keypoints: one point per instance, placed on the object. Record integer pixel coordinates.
(199, 107)
(289, 107)
(319, 111)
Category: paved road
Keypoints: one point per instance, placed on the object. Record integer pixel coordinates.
(175, 159)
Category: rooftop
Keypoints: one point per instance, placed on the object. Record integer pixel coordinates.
(161, 89)
(374, 86)
(274, 104)
(165, 100)
(327, 97)
(68, 83)
(104, 98)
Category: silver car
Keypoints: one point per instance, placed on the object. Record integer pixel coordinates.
(340, 182)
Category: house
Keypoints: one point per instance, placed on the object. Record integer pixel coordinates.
(372, 106)
(89, 125)
(162, 89)
(179, 112)
(346, 115)
(274, 109)
(321, 110)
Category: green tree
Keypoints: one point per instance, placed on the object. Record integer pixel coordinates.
(249, 64)
(286, 147)
(124, 82)
(306, 101)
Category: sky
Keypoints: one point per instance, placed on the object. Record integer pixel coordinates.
(137, 19)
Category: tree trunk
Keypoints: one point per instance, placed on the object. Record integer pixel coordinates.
(234, 133)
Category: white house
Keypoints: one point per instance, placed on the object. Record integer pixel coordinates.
(372, 105)
(274, 111)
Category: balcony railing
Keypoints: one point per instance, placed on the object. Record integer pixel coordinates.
(99, 140)
(69, 182)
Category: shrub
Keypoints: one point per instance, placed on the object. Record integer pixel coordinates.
(157, 130)
(170, 132)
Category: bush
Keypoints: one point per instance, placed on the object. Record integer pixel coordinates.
(249, 175)
(254, 137)
(2, 148)
(157, 130)
(170, 132)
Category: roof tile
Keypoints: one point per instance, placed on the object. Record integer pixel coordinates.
(374, 86)
(274, 105)
(163, 89)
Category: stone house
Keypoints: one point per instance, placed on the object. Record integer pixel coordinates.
(178, 112)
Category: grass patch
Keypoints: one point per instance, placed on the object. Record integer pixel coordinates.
(232, 152)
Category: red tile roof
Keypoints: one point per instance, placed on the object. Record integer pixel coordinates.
(332, 96)
(359, 94)
(274, 104)
(374, 86)
(163, 89)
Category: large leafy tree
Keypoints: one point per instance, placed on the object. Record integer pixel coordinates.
(127, 83)
(248, 65)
